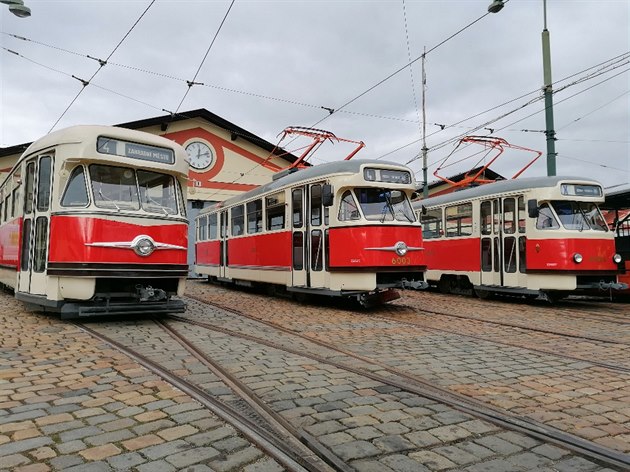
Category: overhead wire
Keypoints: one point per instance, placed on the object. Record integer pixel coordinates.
(192, 82)
(102, 64)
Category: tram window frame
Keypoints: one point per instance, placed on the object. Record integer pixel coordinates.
(29, 196)
(522, 215)
(509, 254)
(454, 217)
(509, 215)
(74, 185)
(297, 207)
(237, 220)
(202, 228)
(254, 216)
(348, 207)
(26, 245)
(549, 222)
(275, 211)
(486, 216)
(317, 250)
(316, 204)
(213, 227)
(44, 183)
(40, 249)
(5, 212)
(432, 224)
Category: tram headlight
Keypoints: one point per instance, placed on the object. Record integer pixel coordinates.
(144, 246)
(577, 257)
(401, 248)
(617, 258)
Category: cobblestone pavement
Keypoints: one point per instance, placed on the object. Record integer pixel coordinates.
(578, 397)
(69, 402)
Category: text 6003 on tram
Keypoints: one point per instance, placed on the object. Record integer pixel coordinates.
(93, 222)
(532, 236)
(344, 229)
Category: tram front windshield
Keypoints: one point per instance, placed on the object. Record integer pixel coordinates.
(384, 204)
(579, 215)
(123, 188)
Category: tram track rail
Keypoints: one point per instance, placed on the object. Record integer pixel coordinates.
(415, 384)
(521, 326)
(297, 451)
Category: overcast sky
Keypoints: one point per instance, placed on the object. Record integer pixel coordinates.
(276, 63)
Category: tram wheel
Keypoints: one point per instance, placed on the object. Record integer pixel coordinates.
(444, 285)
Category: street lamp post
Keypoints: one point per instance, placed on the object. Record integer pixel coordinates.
(550, 133)
(18, 8)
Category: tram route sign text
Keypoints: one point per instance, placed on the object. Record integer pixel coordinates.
(116, 147)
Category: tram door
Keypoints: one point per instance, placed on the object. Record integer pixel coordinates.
(308, 243)
(503, 242)
(34, 244)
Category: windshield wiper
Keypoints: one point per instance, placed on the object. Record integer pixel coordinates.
(100, 194)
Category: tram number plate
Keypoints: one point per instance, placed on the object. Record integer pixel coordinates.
(401, 260)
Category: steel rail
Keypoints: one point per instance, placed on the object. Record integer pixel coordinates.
(286, 455)
(618, 367)
(299, 439)
(413, 384)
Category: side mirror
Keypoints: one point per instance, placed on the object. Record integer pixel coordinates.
(424, 210)
(328, 195)
(532, 208)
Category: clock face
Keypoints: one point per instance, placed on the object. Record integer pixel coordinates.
(200, 156)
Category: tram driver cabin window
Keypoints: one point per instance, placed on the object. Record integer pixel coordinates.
(459, 220)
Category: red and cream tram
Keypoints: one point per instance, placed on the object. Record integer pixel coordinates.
(343, 229)
(540, 236)
(92, 221)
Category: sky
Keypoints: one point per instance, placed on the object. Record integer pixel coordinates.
(266, 65)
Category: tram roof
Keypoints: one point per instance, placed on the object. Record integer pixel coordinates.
(308, 174)
(617, 199)
(512, 185)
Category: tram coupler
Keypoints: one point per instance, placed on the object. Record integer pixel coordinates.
(148, 293)
(414, 284)
(612, 285)
(378, 298)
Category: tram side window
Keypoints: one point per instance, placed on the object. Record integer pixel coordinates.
(316, 205)
(26, 244)
(237, 220)
(432, 224)
(509, 216)
(6, 209)
(298, 208)
(521, 214)
(75, 194)
(348, 209)
(459, 220)
(212, 227)
(254, 216)
(546, 219)
(275, 211)
(522, 254)
(202, 228)
(317, 250)
(14, 200)
(509, 254)
(486, 217)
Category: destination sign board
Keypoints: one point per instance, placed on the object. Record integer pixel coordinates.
(117, 147)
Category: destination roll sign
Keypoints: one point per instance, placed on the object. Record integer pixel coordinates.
(134, 150)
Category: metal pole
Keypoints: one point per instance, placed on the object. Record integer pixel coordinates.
(425, 188)
(548, 93)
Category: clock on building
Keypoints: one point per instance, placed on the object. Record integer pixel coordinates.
(200, 155)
